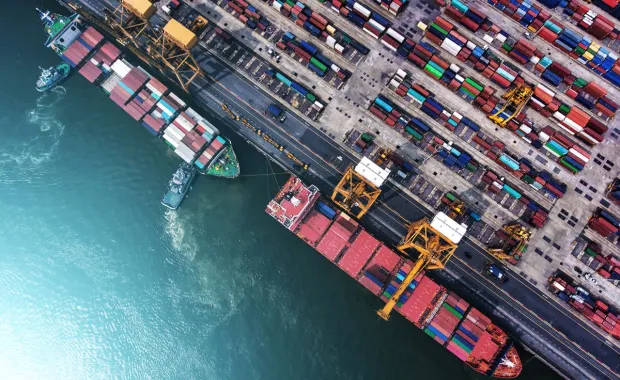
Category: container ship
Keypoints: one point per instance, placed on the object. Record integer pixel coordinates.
(141, 95)
(440, 313)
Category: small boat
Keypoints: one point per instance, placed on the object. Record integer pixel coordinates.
(51, 77)
(179, 186)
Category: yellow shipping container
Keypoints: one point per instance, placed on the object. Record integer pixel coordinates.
(184, 37)
(588, 56)
(330, 29)
(142, 8)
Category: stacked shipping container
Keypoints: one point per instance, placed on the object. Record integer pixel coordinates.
(301, 90)
(596, 310)
(605, 224)
(318, 25)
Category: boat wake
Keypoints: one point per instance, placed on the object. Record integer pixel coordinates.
(181, 237)
(37, 141)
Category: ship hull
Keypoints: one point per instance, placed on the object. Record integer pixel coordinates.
(440, 313)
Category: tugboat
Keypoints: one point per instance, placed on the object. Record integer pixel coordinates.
(51, 77)
(179, 186)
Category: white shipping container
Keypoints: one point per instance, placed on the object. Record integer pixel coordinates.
(558, 286)
(394, 34)
(209, 127)
(525, 129)
(339, 48)
(540, 104)
(94, 62)
(394, 83)
(177, 99)
(470, 45)
(558, 116)
(534, 59)
(401, 73)
(579, 155)
(457, 116)
(175, 131)
(543, 137)
(184, 151)
(573, 125)
(501, 38)
(444, 112)
(184, 123)
(277, 5)
(394, 8)
(330, 41)
(164, 109)
(362, 10)
(546, 90)
(588, 137)
(376, 25)
(334, 68)
(566, 129)
(121, 68)
(526, 139)
(318, 104)
(448, 227)
(106, 67)
(454, 68)
(193, 114)
(459, 78)
(171, 140)
(450, 46)
(488, 39)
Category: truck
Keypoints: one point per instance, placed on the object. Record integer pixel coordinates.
(496, 272)
(276, 112)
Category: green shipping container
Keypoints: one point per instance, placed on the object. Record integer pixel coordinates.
(440, 29)
(580, 82)
(291, 3)
(450, 196)
(452, 310)
(471, 167)
(429, 333)
(476, 85)
(346, 38)
(366, 137)
(318, 64)
(564, 109)
(436, 67)
(310, 96)
(467, 92)
(458, 343)
(569, 166)
(506, 47)
(590, 252)
(579, 50)
(433, 71)
(413, 133)
(527, 179)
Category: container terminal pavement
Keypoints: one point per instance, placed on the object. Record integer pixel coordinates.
(347, 113)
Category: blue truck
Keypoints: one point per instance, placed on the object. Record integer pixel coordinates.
(276, 112)
(496, 272)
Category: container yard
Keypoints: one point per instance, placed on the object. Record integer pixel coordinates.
(500, 115)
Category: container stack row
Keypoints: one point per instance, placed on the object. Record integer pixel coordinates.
(579, 298)
(318, 25)
(301, 90)
(216, 146)
(444, 322)
(456, 158)
(249, 15)
(312, 56)
(581, 48)
(610, 268)
(467, 335)
(371, 22)
(154, 121)
(522, 168)
(591, 95)
(605, 224)
(76, 53)
(475, 326)
(537, 216)
(586, 19)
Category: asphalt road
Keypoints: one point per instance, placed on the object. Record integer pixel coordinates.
(542, 325)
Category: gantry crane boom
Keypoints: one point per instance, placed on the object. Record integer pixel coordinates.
(432, 247)
(516, 98)
(516, 232)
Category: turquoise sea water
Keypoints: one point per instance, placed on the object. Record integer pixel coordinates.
(98, 281)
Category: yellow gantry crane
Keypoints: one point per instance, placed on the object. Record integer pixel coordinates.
(432, 245)
(518, 237)
(131, 19)
(359, 187)
(516, 99)
(355, 191)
